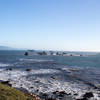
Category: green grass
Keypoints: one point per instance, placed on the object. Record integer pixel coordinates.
(9, 93)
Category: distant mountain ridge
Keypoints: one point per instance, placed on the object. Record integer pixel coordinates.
(6, 48)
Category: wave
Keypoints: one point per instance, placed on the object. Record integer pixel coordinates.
(44, 83)
(4, 65)
(44, 71)
(35, 60)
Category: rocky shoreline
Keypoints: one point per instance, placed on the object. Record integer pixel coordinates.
(7, 92)
(91, 92)
(57, 95)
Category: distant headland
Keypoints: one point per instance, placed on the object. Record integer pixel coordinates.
(7, 48)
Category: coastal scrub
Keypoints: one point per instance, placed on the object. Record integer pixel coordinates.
(10, 93)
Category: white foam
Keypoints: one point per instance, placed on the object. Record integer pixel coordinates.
(4, 65)
(35, 60)
(44, 71)
(43, 84)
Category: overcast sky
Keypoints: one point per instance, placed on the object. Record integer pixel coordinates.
(50, 24)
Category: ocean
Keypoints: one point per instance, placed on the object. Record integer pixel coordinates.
(46, 74)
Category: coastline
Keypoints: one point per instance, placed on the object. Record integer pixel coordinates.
(52, 77)
(9, 93)
(58, 84)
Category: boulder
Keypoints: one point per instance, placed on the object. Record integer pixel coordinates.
(28, 70)
(50, 99)
(6, 83)
(88, 95)
(26, 54)
(10, 69)
(82, 99)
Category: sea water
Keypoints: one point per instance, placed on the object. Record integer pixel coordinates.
(72, 74)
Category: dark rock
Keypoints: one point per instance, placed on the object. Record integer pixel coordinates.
(50, 99)
(62, 93)
(71, 55)
(37, 90)
(70, 94)
(82, 99)
(88, 95)
(26, 54)
(2, 89)
(6, 83)
(95, 87)
(51, 53)
(57, 53)
(81, 55)
(10, 69)
(28, 70)
(32, 87)
(75, 94)
(21, 85)
(44, 94)
(64, 53)
(55, 92)
(42, 53)
(37, 81)
(53, 77)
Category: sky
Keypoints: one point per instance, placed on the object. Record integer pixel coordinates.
(69, 25)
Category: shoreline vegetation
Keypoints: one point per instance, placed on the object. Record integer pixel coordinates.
(9, 93)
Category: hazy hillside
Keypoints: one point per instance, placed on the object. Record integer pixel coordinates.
(6, 48)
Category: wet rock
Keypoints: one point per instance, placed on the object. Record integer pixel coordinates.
(37, 90)
(57, 53)
(55, 92)
(10, 69)
(44, 94)
(21, 84)
(53, 77)
(82, 99)
(28, 70)
(71, 55)
(26, 54)
(32, 87)
(75, 94)
(81, 55)
(37, 81)
(51, 53)
(6, 83)
(88, 95)
(42, 53)
(50, 99)
(62, 93)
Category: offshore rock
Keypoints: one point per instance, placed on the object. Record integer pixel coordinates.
(28, 70)
(26, 54)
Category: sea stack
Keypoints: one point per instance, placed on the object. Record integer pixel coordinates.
(26, 54)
